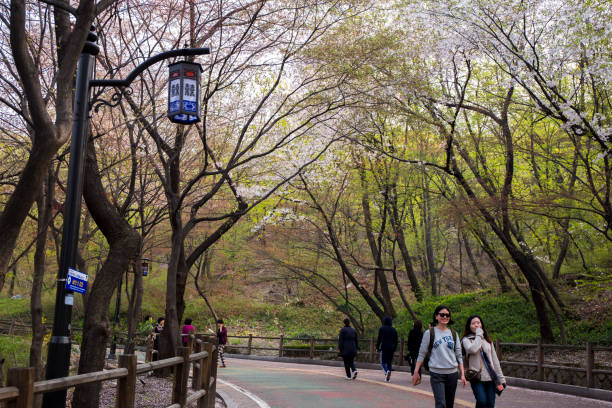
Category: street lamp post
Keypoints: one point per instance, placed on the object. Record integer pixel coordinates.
(58, 360)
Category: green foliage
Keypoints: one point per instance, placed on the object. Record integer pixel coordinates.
(15, 308)
(16, 351)
(507, 318)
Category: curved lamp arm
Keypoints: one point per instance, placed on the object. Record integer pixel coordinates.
(184, 52)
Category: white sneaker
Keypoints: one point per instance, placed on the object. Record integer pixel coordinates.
(354, 374)
(388, 376)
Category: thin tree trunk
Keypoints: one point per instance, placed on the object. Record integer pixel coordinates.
(134, 306)
(335, 243)
(460, 263)
(429, 251)
(204, 265)
(401, 242)
(562, 249)
(468, 251)
(384, 296)
(38, 332)
(400, 290)
(500, 268)
(124, 245)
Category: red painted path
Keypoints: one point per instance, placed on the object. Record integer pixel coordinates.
(286, 385)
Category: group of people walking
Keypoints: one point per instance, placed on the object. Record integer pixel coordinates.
(187, 329)
(448, 358)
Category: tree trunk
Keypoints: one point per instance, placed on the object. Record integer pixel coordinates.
(335, 243)
(134, 306)
(429, 251)
(49, 136)
(24, 195)
(401, 242)
(38, 332)
(460, 263)
(169, 339)
(468, 251)
(500, 268)
(204, 266)
(124, 246)
(384, 296)
(401, 293)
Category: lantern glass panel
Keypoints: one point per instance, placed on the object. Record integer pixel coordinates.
(184, 93)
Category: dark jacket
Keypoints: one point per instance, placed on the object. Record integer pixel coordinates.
(414, 342)
(387, 336)
(348, 343)
(222, 335)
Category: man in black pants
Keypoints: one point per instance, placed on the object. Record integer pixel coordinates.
(348, 346)
(386, 344)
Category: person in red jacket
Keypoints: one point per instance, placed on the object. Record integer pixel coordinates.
(222, 337)
(187, 330)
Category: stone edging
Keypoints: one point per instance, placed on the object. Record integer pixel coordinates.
(594, 393)
(229, 403)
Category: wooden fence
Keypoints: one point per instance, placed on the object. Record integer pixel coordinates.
(532, 364)
(201, 361)
(528, 360)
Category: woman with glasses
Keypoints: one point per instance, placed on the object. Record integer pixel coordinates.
(482, 359)
(442, 348)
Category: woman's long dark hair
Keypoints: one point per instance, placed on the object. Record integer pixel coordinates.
(468, 329)
(418, 326)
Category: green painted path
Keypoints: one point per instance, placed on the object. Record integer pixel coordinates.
(286, 385)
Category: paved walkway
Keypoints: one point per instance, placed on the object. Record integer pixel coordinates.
(263, 384)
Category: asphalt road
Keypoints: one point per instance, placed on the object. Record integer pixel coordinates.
(263, 384)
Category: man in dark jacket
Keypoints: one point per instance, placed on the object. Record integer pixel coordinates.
(348, 345)
(386, 344)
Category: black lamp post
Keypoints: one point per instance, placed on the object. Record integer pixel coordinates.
(68, 279)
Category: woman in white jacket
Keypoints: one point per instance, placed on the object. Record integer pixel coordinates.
(481, 357)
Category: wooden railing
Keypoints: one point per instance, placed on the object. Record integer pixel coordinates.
(202, 362)
(535, 367)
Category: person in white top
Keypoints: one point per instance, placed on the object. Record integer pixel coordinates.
(444, 358)
(481, 358)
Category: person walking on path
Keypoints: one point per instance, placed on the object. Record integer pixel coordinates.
(442, 348)
(482, 363)
(222, 337)
(158, 329)
(386, 345)
(348, 345)
(187, 330)
(414, 343)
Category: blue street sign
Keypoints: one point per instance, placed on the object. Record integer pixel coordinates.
(76, 281)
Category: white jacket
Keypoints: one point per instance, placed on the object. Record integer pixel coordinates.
(472, 346)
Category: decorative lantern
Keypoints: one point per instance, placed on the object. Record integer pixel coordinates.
(184, 92)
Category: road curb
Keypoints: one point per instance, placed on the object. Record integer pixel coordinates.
(593, 393)
(229, 403)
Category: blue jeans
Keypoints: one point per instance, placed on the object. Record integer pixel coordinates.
(484, 392)
(444, 387)
(386, 359)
